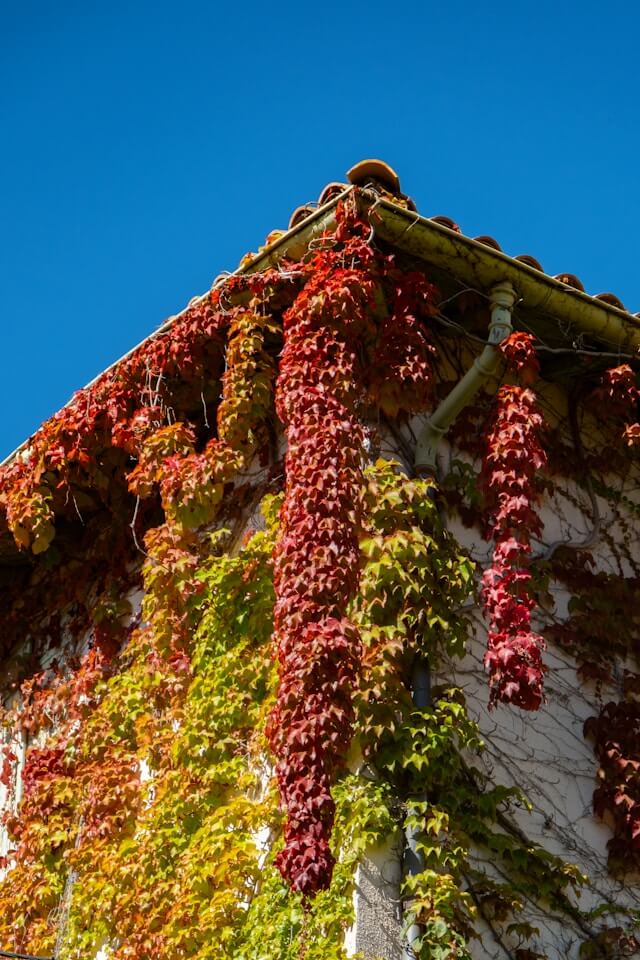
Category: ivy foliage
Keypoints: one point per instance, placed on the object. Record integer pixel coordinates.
(203, 779)
(164, 798)
(170, 820)
(413, 588)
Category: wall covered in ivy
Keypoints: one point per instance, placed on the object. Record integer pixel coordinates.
(225, 576)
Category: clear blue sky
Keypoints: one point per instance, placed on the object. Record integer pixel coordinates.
(147, 146)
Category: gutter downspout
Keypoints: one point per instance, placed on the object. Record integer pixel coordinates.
(503, 297)
(413, 859)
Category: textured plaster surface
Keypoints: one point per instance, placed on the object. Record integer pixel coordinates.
(543, 753)
(377, 905)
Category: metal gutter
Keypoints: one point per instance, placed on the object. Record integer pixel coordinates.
(476, 264)
(481, 267)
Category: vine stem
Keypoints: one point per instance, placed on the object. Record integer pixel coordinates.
(593, 536)
(494, 932)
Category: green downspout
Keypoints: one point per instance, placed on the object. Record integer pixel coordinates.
(502, 297)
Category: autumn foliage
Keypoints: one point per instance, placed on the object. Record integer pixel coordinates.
(513, 458)
(317, 556)
(169, 738)
(325, 375)
(616, 736)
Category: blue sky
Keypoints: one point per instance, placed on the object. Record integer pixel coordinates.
(147, 146)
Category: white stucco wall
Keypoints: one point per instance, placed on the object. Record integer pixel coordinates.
(544, 753)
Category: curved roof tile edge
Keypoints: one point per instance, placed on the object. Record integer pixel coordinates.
(481, 260)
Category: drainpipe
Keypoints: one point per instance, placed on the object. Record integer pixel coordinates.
(413, 860)
(502, 299)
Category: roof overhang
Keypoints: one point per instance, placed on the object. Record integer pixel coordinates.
(473, 263)
(477, 265)
(481, 267)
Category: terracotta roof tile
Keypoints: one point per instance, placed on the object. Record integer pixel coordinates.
(612, 299)
(300, 214)
(570, 280)
(446, 222)
(530, 261)
(331, 191)
(488, 242)
(377, 171)
(383, 180)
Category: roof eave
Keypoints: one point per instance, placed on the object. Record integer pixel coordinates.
(476, 264)
(292, 244)
(481, 267)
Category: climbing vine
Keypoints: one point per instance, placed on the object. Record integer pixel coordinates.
(414, 580)
(316, 561)
(513, 459)
(616, 736)
(219, 719)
